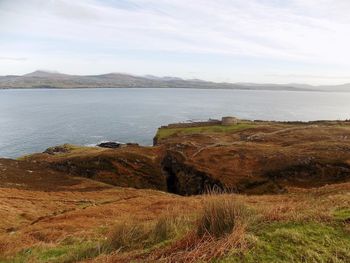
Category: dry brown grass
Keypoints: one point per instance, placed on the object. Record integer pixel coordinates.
(147, 226)
(193, 248)
(173, 228)
(220, 229)
(126, 236)
(130, 235)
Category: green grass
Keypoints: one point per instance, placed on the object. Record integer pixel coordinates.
(298, 242)
(62, 253)
(342, 214)
(52, 254)
(66, 150)
(167, 132)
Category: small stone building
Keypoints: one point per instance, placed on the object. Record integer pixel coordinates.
(229, 120)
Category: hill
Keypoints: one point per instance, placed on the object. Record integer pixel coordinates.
(44, 79)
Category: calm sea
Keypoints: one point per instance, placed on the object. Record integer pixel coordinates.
(33, 120)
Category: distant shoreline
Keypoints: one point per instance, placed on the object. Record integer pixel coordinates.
(49, 80)
(195, 88)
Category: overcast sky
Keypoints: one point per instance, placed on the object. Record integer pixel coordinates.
(277, 41)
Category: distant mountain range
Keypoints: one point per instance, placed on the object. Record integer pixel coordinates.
(45, 79)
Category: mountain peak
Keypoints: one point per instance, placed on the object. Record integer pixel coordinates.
(42, 73)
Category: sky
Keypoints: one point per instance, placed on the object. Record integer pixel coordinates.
(261, 41)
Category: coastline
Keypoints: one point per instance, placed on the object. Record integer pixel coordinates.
(279, 180)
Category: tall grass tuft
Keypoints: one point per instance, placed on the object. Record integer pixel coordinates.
(220, 216)
(221, 229)
(166, 228)
(125, 236)
(135, 235)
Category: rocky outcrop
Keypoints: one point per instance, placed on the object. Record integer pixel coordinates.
(251, 158)
(313, 173)
(116, 145)
(130, 166)
(112, 145)
(58, 149)
(185, 179)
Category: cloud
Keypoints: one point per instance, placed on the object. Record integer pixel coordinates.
(307, 76)
(13, 58)
(285, 35)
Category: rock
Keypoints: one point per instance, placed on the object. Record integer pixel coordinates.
(11, 230)
(58, 149)
(112, 145)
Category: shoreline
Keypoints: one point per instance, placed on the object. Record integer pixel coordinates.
(193, 88)
(199, 123)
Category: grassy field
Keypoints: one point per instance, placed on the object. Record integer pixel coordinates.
(167, 132)
(300, 227)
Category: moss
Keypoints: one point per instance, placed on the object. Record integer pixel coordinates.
(298, 242)
(163, 133)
